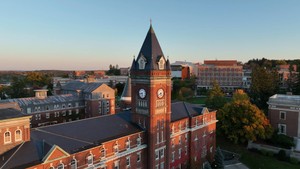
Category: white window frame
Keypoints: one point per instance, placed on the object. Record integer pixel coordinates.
(20, 135)
(117, 164)
(156, 154)
(9, 137)
(279, 127)
(282, 112)
(128, 161)
(73, 166)
(139, 156)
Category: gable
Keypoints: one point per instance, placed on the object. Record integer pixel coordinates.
(55, 153)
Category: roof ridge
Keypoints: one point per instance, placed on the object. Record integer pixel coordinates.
(189, 114)
(12, 155)
(63, 136)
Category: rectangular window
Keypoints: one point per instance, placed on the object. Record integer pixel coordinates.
(282, 128)
(162, 165)
(173, 156)
(156, 155)
(138, 157)
(47, 115)
(162, 153)
(128, 161)
(282, 115)
(179, 153)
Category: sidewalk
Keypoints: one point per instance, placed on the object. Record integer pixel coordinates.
(236, 166)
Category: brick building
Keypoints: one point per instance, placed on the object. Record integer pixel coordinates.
(155, 134)
(228, 73)
(284, 115)
(14, 127)
(77, 100)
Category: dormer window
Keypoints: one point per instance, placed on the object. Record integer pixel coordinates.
(139, 140)
(103, 152)
(116, 147)
(142, 62)
(161, 63)
(128, 144)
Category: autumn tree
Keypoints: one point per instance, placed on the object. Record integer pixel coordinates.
(240, 121)
(216, 98)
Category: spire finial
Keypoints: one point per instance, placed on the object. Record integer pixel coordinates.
(150, 22)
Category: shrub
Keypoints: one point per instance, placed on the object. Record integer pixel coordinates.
(294, 160)
(282, 141)
(282, 155)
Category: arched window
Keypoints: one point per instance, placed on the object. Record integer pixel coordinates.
(18, 135)
(7, 137)
(61, 166)
(73, 163)
(116, 147)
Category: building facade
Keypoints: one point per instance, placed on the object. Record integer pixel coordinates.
(155, 134)
(76, 100)
(227, 73)
(284, 115)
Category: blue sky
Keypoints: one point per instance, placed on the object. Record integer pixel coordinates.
(91, 34)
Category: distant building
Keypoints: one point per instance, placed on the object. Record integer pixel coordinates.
(76, 100)
(247, 79)
(286, 73)
(124, 71)
(183, 70)
(284, 115)
(227, 73)
(154, 134)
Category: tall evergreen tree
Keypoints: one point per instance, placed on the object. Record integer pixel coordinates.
(219, 159)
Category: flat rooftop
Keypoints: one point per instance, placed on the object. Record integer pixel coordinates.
(285, 99)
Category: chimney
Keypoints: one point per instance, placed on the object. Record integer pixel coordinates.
(41, 93)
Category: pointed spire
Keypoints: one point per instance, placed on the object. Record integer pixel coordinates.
(151, 50)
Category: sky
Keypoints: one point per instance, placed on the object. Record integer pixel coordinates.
(92, 34)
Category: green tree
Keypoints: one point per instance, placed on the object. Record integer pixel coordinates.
(216, 98)
(296, 86)
(185, 93)
(18, 88)
(264, 84)
(240, 121)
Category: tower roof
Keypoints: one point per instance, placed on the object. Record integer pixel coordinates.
(151, 51)
(126, 94)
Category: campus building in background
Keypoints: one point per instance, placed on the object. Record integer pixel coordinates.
(227, 73)
(284, 115)
(73, 101)
(155, 134)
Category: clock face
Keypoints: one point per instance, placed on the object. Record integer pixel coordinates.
(160, 93)
(142, 93)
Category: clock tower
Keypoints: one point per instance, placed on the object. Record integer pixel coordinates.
(151, 99)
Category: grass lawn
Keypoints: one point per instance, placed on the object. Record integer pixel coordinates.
(254, 160)
(197, 100)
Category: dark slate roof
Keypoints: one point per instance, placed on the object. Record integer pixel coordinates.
(24, 155)
(151, 50)
(78, 85)
(181, 110)
(8, 113)
(71, 137)
(126, 94)
(48, 100)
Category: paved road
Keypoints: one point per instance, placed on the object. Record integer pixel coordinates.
(236, 166)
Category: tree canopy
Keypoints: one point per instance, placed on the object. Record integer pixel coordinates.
(264, 84)
(240, 121)
(216, 98)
